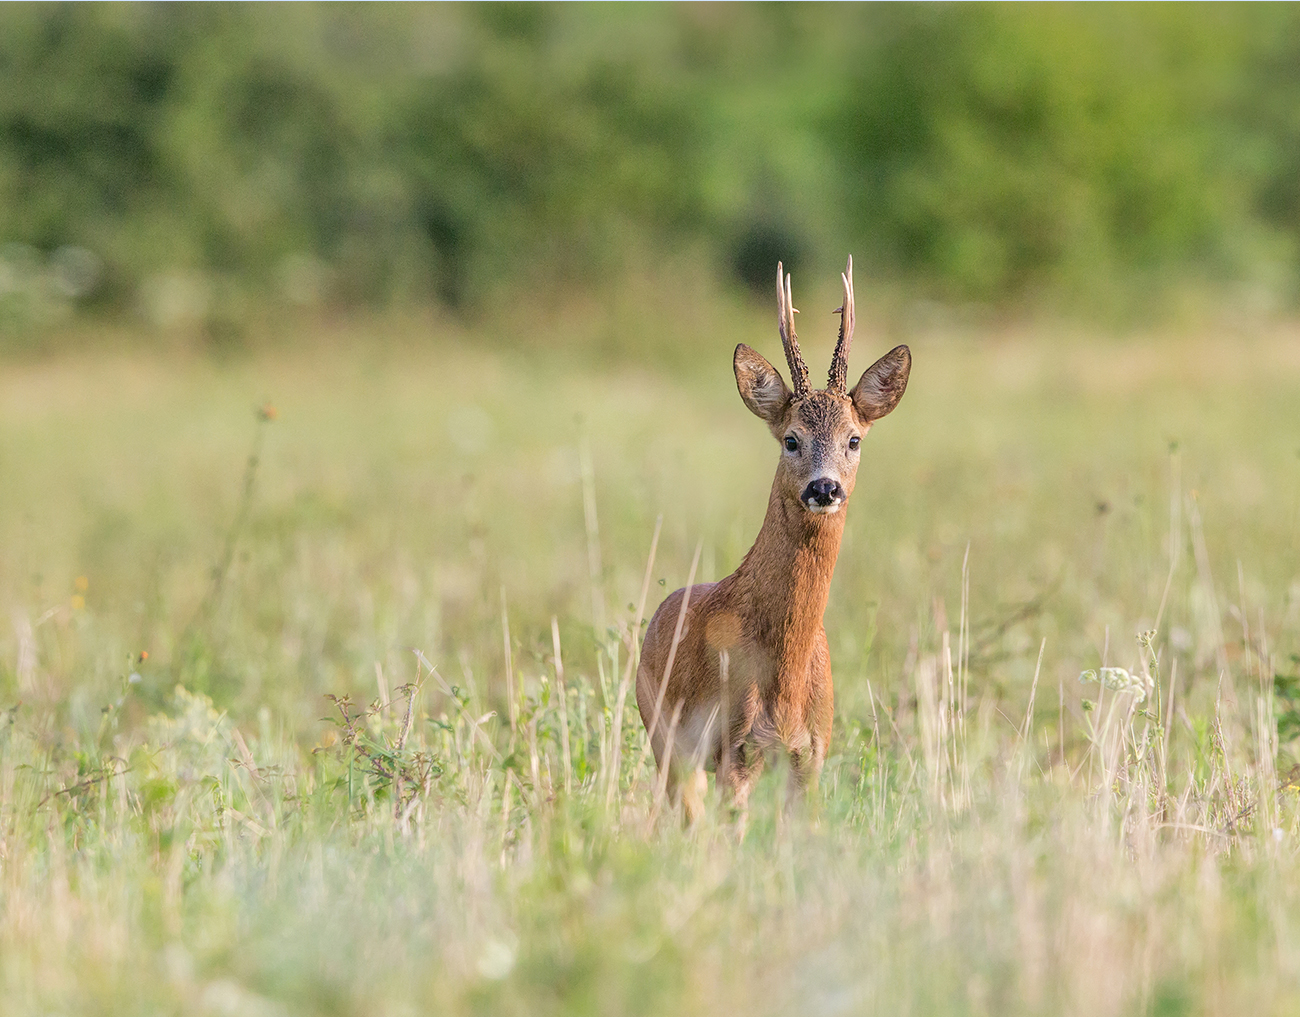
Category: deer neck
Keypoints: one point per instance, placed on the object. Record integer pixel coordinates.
(787, 578)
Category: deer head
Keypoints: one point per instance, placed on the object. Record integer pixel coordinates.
(820, 430)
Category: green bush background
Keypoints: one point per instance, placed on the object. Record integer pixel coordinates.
(1083, 160)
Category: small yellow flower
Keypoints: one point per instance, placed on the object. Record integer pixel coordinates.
(81, 583)
(78, 602)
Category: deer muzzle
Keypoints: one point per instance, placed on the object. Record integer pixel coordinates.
(823, 495)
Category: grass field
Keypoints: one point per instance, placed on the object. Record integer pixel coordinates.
(181, 831)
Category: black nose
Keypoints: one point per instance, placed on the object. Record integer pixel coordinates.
(823, 491)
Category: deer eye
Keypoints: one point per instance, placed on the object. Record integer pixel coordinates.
(854, 442)
(792, 443)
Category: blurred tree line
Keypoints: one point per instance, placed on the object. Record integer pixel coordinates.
(197, 159)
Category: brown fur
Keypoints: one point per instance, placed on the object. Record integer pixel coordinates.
(765, 619)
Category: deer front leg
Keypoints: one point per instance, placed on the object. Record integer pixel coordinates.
(738, 760)
(811, 738)
(736, 778)
(805, 770)
(808, 755)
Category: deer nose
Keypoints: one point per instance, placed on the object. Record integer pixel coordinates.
(823, 492)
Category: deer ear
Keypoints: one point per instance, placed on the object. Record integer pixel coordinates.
(882, 385)
(761, 387)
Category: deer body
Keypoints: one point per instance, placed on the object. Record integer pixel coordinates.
(736, 670)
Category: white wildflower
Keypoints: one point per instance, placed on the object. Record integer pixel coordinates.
(1120, 680)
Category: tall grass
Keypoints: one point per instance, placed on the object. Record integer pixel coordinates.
(390, 765)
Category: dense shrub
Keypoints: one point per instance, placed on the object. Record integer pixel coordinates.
(1067, 155)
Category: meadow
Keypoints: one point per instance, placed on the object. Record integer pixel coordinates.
(284, 728)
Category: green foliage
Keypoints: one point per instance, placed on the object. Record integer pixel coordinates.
(1286, 692)
(1003, 149)
(190, 162)
(516, 159)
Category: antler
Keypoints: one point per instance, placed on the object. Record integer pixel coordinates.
(785, 322)
(838, 378)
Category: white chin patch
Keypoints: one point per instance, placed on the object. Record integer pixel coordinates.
(825, 510)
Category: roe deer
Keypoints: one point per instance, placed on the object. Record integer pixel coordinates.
(733, 670)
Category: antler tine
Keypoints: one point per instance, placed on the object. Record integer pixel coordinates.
(838, 379)
(785, 321)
